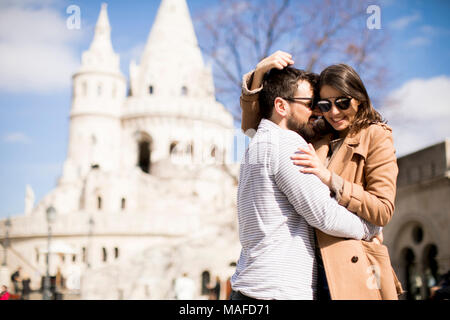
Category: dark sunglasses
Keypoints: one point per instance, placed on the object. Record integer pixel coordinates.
(300, 100)
(342, 103)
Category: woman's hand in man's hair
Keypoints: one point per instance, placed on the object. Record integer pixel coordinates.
(278, 60)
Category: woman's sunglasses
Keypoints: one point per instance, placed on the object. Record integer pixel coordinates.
(341, 102)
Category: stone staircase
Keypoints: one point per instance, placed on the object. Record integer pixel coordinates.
(14, 260)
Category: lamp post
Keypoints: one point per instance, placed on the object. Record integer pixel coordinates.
(91, 228)
(51, 215)
(6, 240)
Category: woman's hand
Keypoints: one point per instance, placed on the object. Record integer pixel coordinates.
(278, 60)
(312, 164)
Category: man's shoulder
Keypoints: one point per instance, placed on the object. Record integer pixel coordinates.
(277, 136)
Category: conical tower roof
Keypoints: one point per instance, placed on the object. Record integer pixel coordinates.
(171, 53)
(101, 55)
(102, 35)
(173, 29)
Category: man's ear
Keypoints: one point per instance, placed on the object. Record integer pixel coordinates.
(281, 107)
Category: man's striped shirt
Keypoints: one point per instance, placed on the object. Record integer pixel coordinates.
(278, 206)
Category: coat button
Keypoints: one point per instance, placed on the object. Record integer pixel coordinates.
(354, 259)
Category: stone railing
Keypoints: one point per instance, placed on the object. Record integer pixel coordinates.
(196, 109)
(121, 223)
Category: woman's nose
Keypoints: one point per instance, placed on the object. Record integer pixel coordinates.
(334, 110)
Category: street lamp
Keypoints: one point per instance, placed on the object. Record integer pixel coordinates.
(51, 215)
(6, 240)
(91, 227)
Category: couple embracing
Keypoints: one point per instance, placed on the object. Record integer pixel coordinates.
(317, 184)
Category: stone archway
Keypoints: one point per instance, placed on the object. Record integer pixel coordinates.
(415, 252)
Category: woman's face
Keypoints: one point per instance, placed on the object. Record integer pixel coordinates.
(339, 119)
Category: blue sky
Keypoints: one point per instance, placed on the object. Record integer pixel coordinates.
(35, 92)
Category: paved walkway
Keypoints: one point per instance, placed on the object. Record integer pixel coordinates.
(66, 296)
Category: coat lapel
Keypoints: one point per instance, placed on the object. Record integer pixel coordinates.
(349, 146)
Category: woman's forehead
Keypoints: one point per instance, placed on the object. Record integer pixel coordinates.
(329, 91)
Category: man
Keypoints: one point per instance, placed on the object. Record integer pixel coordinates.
(278, 206)
(15, 278)
(184, 288)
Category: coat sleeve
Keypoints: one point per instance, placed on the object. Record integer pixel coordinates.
(249, 104)
(375, 203)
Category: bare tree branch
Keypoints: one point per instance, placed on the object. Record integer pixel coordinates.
(237, 34)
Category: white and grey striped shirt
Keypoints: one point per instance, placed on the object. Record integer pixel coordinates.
(278, 206)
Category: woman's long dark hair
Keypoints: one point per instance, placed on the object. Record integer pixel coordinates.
(344, 78)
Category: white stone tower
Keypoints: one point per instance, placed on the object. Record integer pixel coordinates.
(98, 95)
(145, 194)
(171, 108)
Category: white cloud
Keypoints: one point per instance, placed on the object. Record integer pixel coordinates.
(403, 22)
(419, 41)
(36, 48)
(419, 113)
(16, 137)
(429, 30)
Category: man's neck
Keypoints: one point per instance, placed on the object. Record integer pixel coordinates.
(281, 122)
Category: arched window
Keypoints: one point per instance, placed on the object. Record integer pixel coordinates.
(184, 91)
(84, 88)
(213, 151)
(116, 253)
(123, 204)
(190, 149)
(105, 255)
(173, 147)
(206, 277)
(144, 159)
(417, 234)
(83, 254)
(150, 89)
(99, 203)
(93, 140)
(144, 156)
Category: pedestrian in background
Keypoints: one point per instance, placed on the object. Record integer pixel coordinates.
(442, 290)
(184, 288)
(214, 292)
(4, 295)
(15, 278)
(26, 287)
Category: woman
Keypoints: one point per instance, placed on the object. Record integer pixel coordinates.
(4, 294)
(356, 159)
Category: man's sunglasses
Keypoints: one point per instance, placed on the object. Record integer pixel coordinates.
(342, 103)
(301, 100)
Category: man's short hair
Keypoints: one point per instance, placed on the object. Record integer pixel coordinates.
(283, 84)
